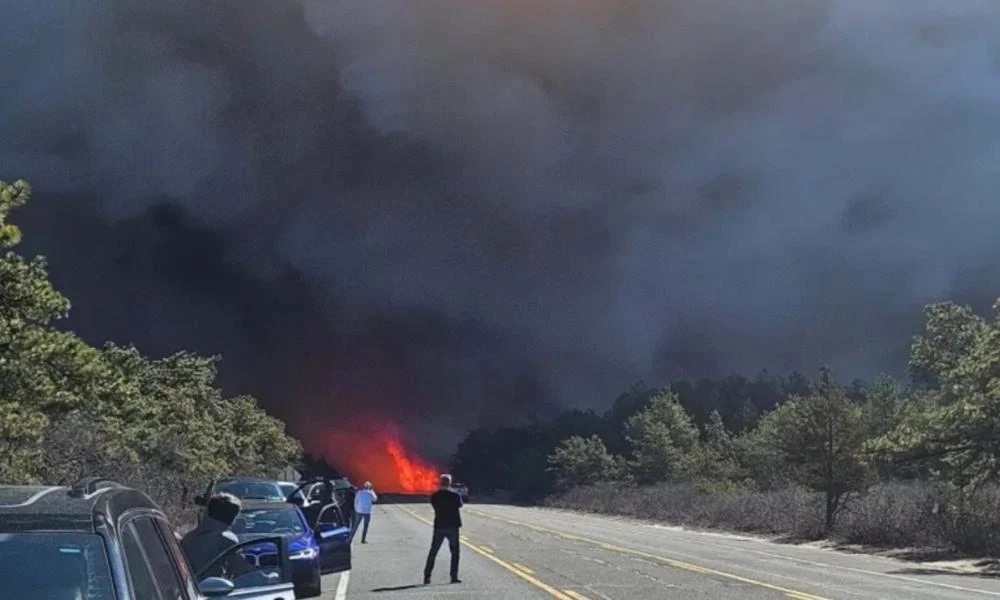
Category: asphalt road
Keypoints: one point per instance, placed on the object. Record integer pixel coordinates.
(526, 553)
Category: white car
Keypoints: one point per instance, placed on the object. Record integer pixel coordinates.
(293, 488)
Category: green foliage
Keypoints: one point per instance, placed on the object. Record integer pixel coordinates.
(819, 440)
(953, 432)
(585, 461)
(883, 406)
(770, 436)
(946, 356)
(718, 460)
(663, 439)
(68, 409)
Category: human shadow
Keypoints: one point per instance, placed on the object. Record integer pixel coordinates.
(398, 588)
(990, 571)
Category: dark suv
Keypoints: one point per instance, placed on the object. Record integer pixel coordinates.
(102, 541)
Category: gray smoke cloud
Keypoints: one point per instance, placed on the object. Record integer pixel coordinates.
(499, 206)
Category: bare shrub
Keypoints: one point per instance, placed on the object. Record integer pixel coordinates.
(73, 450)
(899, 514)
(915, 514)
(974, 523)
(793, 511)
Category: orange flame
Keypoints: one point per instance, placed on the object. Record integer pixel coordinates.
(414, 475)
(380, 457)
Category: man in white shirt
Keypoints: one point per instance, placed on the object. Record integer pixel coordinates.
(363, 501)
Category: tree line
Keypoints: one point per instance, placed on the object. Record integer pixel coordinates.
(69, 409)
(907, 458)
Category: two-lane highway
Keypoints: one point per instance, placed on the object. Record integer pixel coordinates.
(516, 552)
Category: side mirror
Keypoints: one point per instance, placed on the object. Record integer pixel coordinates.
(200, 500)
(215, 587)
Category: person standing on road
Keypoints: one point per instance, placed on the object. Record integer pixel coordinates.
(326, 493)
(447, 522)
(347, 501)
(363, 501)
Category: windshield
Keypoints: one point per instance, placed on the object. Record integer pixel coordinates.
(252, 489)
(273, 520)
(70, 566)
(287, 488)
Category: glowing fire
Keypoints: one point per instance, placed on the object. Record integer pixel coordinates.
(377, 454)
(414, 475)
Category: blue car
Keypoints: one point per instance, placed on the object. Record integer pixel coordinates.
(313, 551)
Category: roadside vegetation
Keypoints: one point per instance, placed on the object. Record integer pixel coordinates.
(69, 409)
(878, 463)
(882, 462)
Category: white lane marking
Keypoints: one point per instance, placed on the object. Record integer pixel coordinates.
(604, 532)
(345, 576)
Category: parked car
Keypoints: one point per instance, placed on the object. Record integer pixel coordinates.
(293, 491)
(244, 488)
(313, 490)
(103, 541)
(314, 551)
(463, 491)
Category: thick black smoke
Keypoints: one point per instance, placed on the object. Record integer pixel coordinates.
(457, 212)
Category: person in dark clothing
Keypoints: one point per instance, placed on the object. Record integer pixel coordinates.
(348, 503)
(447, 522)
(213, 537)
(326, 493)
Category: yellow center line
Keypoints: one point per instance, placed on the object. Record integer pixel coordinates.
(484, 548)
(798, 595)
(506, 565)
(523, 568)
(576, 595)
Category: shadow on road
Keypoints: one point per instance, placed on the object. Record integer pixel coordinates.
(929, 571)
(398, 588)
(986, 568)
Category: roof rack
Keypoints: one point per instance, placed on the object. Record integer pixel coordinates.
(89, 485)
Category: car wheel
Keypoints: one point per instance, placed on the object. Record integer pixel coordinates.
(312, 589)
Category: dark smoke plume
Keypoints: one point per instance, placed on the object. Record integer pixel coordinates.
(450, 213)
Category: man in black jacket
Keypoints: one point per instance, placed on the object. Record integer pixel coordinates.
(447, 521)
(213, 536)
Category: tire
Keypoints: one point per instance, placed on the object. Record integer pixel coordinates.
(312, 589)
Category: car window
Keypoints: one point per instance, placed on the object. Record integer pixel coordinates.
(330, 515)
(54, 565)
(281, 520)
(180, 561)
(162, 566)
(141, 574)
(252, 489)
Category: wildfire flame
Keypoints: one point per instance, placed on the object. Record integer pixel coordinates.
(378, 455)
(414, 475)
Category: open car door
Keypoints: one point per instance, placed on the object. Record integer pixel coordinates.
(263, 577)
(334, 538)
